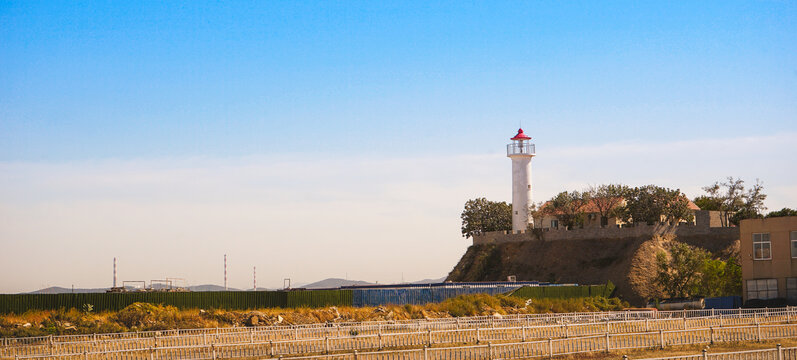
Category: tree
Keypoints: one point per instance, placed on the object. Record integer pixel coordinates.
(535, 213)
(650, 203)
(719, 278)
(607, 198)
(752, 204)
(481, 215)
(568, 207)
(782, 212)
(707, 203)
(679, 273)
(733, 202)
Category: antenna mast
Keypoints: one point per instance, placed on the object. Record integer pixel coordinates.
(114, 272)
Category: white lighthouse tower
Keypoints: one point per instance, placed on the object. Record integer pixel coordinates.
(521, 150)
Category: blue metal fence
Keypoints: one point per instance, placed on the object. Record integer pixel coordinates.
(421, 295)
(725, 302)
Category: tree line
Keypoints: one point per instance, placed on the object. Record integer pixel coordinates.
(643, 204)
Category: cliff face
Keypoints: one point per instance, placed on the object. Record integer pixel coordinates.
(627, 262)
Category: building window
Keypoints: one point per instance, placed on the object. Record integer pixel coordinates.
(793, 237)
(555, 224)
(791, 289)
(762, 289)
(762, 248)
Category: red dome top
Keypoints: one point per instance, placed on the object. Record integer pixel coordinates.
(520, 136)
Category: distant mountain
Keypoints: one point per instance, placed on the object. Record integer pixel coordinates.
(210, 287)
(62, 290)
(430, 281)
(334, 283)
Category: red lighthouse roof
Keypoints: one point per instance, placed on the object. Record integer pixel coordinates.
(520, 136)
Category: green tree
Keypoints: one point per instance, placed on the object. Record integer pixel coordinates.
(719, 278)
(679, 273)
(707, 203)
(568, 207)
(782, 212)
(651, 204)
(607, 198)
(481, 215)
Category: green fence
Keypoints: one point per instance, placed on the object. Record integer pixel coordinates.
(234, 300)
(564, 292)
(242, 300)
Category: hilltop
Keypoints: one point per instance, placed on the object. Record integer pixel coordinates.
(627, 262)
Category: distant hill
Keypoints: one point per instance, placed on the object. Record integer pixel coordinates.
(62, 290)
(334, 283)
(210, 287)
(430, 281)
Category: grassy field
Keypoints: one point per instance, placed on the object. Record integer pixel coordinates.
(142, 316)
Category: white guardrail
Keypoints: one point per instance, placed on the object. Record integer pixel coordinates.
(298, 340)
(776, 353)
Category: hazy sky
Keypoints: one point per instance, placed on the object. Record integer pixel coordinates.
(326, 139)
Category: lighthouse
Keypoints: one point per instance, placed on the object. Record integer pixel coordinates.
(521, 150)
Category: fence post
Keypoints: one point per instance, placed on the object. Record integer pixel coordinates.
(684, 322)
(429, 336)
(661, 338)
(720, 320)
(204, 338)
(478, 337)
(252, 335)
(705, 354)
(758, 332)
(607, 326)
(608, 347)
(151, 354)
(296, 333)
(647, 326)
(490, 350)
(550, 348)
(326, 345)
(567, 331)
(712, 311)
(755, 317)
(85, 355)
(355, 354)
(780, 351)
(271, 347)
(711, 331)
(523, 333)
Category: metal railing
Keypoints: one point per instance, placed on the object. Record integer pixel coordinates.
(489, 351)
(776, 353)
(278, 344)
(520, 149)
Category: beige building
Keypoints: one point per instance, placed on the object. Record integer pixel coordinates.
(769, 258)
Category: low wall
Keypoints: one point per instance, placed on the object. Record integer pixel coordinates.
(498, 237)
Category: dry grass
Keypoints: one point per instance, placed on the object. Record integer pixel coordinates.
(142, 316)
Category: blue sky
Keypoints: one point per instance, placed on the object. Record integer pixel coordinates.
(405, 98)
